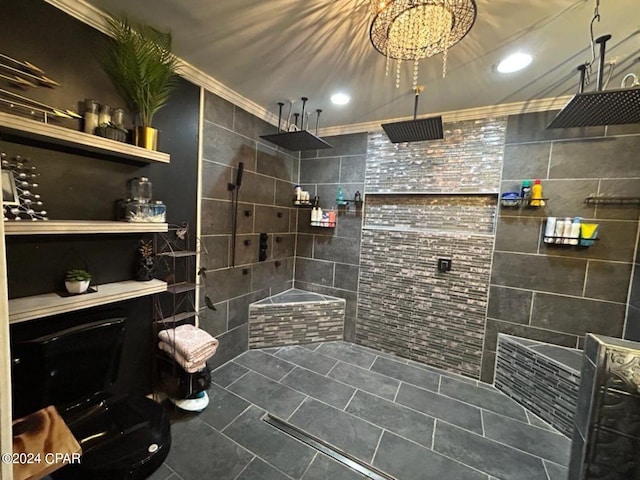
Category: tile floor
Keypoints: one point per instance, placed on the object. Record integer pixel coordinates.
(411, 421)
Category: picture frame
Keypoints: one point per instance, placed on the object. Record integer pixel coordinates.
(9, 190)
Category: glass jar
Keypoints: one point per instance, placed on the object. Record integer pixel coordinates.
(104, 117)
(139, 212)
(90, 115)
(117, 117)
(159, 212)
(139, 189)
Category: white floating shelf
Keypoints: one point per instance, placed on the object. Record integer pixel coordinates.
(74, 227)
(39, 306)
(56, 135)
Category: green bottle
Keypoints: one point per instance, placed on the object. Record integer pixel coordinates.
(340, 197)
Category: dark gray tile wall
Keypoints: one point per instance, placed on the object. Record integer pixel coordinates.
(545, 386)
(558, 293)
(277, 325)
(328, 259)
(230, 136)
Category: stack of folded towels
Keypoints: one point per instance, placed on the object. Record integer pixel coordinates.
(190, 346)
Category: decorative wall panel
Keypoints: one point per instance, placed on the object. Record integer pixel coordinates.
(607, 431)
(469, 159)
(407, 308)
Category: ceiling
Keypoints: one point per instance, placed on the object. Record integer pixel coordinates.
(275, 50)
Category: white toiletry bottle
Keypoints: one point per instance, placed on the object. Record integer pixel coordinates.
(550, 230)
(566, 231)
(574, 236)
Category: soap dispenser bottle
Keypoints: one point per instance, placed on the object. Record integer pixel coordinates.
(340, 196)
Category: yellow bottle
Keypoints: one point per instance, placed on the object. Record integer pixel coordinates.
(536, 194)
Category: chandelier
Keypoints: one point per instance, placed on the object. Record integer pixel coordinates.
(410, 30)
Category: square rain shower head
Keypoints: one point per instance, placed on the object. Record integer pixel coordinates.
(419, 130)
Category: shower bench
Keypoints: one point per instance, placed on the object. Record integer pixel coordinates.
(295, 317)
(542, 377)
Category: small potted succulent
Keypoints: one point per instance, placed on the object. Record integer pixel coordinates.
(77, 281)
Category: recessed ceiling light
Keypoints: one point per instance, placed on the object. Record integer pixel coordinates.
(340, 98)
(514, 62)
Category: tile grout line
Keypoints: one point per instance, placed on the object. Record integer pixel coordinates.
(245, 467)
(482, 423)
(221, 430)
(306, 397)
(375, 452)
(439, 384)
(355, 390)
(395, 397)
(244, 374)
(309, 466)
(373, 362)
(546, 471)
(433, 434)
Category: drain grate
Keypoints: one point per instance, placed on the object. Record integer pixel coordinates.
(324, 447)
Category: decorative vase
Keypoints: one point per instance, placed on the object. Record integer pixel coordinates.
(145, 137)
(77, 287)
(145, 269)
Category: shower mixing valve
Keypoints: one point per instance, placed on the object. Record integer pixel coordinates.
(444, 265)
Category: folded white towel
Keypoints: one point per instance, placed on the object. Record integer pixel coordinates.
(191, 342)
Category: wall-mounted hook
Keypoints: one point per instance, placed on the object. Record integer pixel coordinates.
(278, 263)
(247, 213)
(245, 271)
(279, 214)
(278, 239)
(247, 242)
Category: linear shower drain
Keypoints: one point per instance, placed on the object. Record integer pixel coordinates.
(324, 447)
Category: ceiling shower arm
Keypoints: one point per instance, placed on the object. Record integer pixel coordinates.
(603, 48)
(417, 91)
(280, 105)
(318, 112)
(583, 73)
(304, 103)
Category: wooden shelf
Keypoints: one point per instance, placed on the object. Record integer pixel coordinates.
(178, 317)
(39, 306)
(182, 287)
(178, 253)
(55, 135)
(76, 227)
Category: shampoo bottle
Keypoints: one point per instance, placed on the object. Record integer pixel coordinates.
(536, 194)
(340, 196)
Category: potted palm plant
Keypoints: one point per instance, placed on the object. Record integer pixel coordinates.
(141, 66)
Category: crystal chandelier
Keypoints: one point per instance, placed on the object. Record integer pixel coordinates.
(405, 30)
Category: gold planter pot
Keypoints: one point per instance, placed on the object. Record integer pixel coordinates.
(145, 137)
